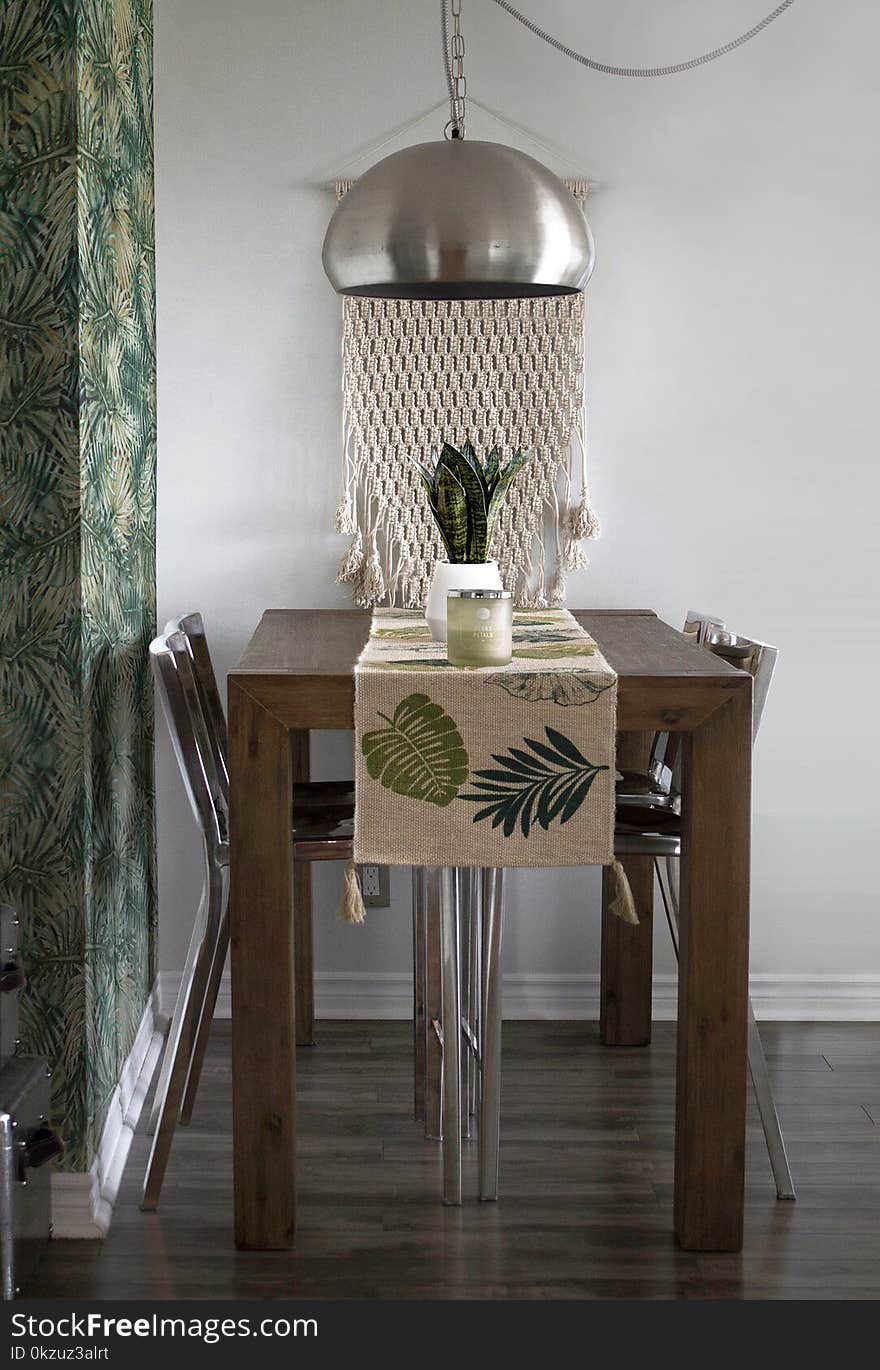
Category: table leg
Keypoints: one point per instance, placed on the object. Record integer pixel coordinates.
(263, 993)
(713, 979)
(302, 909)
(627, 964)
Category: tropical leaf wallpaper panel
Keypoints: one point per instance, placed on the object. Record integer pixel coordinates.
(77, 534)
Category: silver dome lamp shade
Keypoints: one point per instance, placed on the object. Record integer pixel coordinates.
(458, 220)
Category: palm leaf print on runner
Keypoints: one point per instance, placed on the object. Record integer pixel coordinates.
(549, 782)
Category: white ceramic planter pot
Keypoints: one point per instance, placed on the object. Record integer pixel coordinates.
(449, 575)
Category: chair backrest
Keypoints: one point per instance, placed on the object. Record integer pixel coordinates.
(747, 654)
(665, 758)
(193, 629)
(698, 626)
(176, 685)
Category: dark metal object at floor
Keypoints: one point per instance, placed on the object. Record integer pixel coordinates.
(27, 1143)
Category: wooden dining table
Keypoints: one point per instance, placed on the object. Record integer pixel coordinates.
(296, 675)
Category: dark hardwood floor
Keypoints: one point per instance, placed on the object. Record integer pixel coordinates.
(586, 1174)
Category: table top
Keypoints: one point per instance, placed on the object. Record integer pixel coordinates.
(300, 662)
(328, 642)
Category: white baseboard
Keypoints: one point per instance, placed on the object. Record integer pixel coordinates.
(781, 998)
(82, 1202)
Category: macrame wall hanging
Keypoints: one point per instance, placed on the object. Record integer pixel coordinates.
(505, 373)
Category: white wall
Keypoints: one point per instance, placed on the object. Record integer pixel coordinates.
(732, 383)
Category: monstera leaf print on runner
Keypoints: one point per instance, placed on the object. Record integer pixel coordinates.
(547, 785)
(420, 753)
(566, 688)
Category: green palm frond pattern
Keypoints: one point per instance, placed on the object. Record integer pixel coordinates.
(77, 534)
(545, 784)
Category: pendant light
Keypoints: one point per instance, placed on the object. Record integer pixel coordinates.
(458, 220)
(469, 221)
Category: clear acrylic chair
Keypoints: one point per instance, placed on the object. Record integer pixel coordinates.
(322, 819)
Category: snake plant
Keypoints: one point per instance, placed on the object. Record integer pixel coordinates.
(465, 496)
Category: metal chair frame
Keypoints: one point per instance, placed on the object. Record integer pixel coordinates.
(188, 690)
(177, 690)
(457, 921)
(759, 659)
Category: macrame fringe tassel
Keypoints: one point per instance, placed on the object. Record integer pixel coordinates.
(583, 521)
(351, 567)
(373, 585)
(557, 589)
(345, 520)
(621, 902)
(575, 558)
(351, 909)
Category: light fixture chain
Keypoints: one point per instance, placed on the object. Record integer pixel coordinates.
(453, 58)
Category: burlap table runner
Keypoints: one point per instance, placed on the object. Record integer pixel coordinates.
(497, 766)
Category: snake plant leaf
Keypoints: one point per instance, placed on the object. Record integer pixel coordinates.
(427, 475)
(503, 483)
(550, 784)
(419, 754)
(468, 451)
(474, 490)
(452, 513)
(493, 462)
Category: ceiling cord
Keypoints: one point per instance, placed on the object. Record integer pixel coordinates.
(608, 70)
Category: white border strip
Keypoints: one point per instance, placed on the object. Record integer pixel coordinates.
(781, 998)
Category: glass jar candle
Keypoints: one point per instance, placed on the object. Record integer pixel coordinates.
(479, 627)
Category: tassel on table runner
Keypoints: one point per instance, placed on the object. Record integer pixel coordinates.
(621, 903)
(351, 908)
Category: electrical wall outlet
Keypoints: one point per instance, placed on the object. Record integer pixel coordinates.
(375, 887)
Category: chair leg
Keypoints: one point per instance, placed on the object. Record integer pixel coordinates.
(191, 1009)
(433, 1007)
(667, 878)
(467, 969)
(666, 868)
(206, 1018)
(172, 1038)
(304, 969)
(419, 881)
(490, 1031)
(450, 943)
(474, 1006)
(767, 1109)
